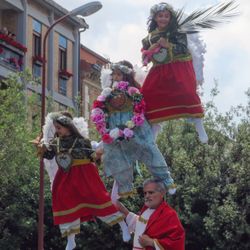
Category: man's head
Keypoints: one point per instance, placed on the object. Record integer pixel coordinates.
(154, 192)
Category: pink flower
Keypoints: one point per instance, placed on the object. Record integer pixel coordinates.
(101, 98)
(122, 85)
(138, 119)
(101, 128)
(99, 118)
(133, 90)
(107, 139)
(128, 133)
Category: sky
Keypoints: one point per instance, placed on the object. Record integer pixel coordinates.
(115, 32)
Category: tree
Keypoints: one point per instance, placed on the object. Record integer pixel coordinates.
(19, 176)
(212, 197)
(213, 180)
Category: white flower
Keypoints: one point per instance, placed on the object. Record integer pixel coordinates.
(106, 92)
(130, 124)
(114, 133)
(115, 84)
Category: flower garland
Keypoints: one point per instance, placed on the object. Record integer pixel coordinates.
(65, 73)
(12, 42)
(99, 113)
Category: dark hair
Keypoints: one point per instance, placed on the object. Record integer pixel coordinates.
(128, 77)
(172, 26)
(65, 119)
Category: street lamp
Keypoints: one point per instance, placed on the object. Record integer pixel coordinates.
(83, 10)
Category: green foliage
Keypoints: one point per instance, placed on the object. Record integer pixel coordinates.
(19, 176)
(212, 198)
(213, 180)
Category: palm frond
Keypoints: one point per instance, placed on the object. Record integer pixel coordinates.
(207, 18)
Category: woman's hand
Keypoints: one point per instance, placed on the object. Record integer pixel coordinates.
(99, 153)
(163, 43)
(40, 147)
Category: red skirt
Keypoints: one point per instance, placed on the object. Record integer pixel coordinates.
(170, 92)
(80, 193)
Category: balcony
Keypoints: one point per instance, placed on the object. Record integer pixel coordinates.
(11, 52)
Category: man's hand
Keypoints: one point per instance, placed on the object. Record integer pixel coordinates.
(145, 241)
(121, 208)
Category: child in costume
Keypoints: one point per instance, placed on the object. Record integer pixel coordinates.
(118, 114)
(170, 86)
(78, 193)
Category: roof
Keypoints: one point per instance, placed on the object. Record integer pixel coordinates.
(95, 54)
(62, 11)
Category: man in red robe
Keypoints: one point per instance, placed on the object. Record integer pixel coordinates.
(157, 226)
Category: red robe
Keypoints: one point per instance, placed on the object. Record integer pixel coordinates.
(170, 92)
(165, 227)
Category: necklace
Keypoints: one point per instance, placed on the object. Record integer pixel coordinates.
(63, 157)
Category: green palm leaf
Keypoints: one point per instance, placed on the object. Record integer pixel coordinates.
(207, 18)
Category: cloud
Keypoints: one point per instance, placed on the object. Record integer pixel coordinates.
(228, 58)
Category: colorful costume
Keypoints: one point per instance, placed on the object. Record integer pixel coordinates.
(127, 137)
(161, 224)
(170, 86)
(79, 193)
(120, 156)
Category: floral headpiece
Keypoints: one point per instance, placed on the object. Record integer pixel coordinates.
(123, 68)
(159, 7)
(106, 78)
(64, 120)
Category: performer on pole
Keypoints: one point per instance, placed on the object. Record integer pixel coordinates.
(118, 114)
(170, 86)
(78, 193)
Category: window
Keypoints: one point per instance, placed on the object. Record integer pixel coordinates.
(62, 53)
(37, 26)
(37, 70)
(62, 86)
(36, 45)
(37, 38)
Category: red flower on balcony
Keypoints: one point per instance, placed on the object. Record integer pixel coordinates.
(12, 42)
(65, 74)
(17, 63)
(38, 59)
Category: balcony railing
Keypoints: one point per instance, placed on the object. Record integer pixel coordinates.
(11, 52)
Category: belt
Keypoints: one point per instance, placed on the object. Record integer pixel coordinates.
(77, 162)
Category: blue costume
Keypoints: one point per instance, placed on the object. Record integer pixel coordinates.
(118, 114)
(120, 156)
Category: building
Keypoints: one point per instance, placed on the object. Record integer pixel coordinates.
(23, 24)
(90, 86)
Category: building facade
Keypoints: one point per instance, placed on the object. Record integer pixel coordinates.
(90, 86)
(23, 24)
